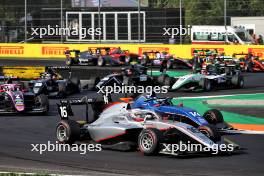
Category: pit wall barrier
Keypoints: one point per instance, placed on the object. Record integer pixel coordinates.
(50, 51)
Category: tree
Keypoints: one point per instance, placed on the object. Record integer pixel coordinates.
(211, 12)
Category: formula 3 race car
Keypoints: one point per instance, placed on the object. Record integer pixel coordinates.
(116, 56)
(135, 75)
(119, 127)
(249, 62)
(100, 56)
(52, 84)
(210, 79)
(164, 107)
(76, 57)
(15, 99)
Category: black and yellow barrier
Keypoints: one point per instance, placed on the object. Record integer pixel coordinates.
(22, 71)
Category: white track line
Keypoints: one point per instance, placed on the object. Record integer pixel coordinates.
(244, 132)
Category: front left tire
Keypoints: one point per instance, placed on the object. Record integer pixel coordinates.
(68, 131)
(149, 141)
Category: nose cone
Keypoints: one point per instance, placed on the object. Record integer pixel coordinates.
(18, 100)
(20, 107)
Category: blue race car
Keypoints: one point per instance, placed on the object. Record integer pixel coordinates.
(210, 123)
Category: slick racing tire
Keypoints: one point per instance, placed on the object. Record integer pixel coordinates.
(161, 79)
(62, 90)
(68, 62)
(228, 71)
(238, 81)
(43, 102)
(249, 67)
(143, 62)
(168, 82)
(77, 83)
(93, 83)
(170, 64)
(128, 60)
(205, 84)
(68, 131)
(149, 141)
(211, 132)
(213, 116)
(100, 61)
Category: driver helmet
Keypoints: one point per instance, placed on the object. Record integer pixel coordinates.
(129, 72)
(204, 72)
(9, 81)
(48, 76)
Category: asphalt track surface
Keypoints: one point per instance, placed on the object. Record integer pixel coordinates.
(18, 132)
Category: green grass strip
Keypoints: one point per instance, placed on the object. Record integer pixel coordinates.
(229, 117)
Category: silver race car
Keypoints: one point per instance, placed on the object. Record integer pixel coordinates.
(119, 127)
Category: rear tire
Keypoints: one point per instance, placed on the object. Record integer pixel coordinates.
(68, 62)
(161, 79)
(169, 64)
(44, 102)
(149, 141)
(249, 67)
(62, 90)
(205, 84)
(168, 81)
(228, 71)
(68, 131)
(211, 132)
(238, 81)
(143, 62)
(93, 82)
(76, 82)
(100, 61)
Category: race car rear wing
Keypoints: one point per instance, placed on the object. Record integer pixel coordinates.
(65, 109)
(76, 52)
(4, 79)
(58, 67)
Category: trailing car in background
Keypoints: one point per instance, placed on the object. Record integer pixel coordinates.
(116, 56)
(135, 75)
(249, 62)
(75, 57)
(209, 80)
(179, 63)
(100, 56)
(14, 98)
(52, 84)
(164, 59)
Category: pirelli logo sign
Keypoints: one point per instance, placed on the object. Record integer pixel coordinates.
(56, 51)
(11, 50)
